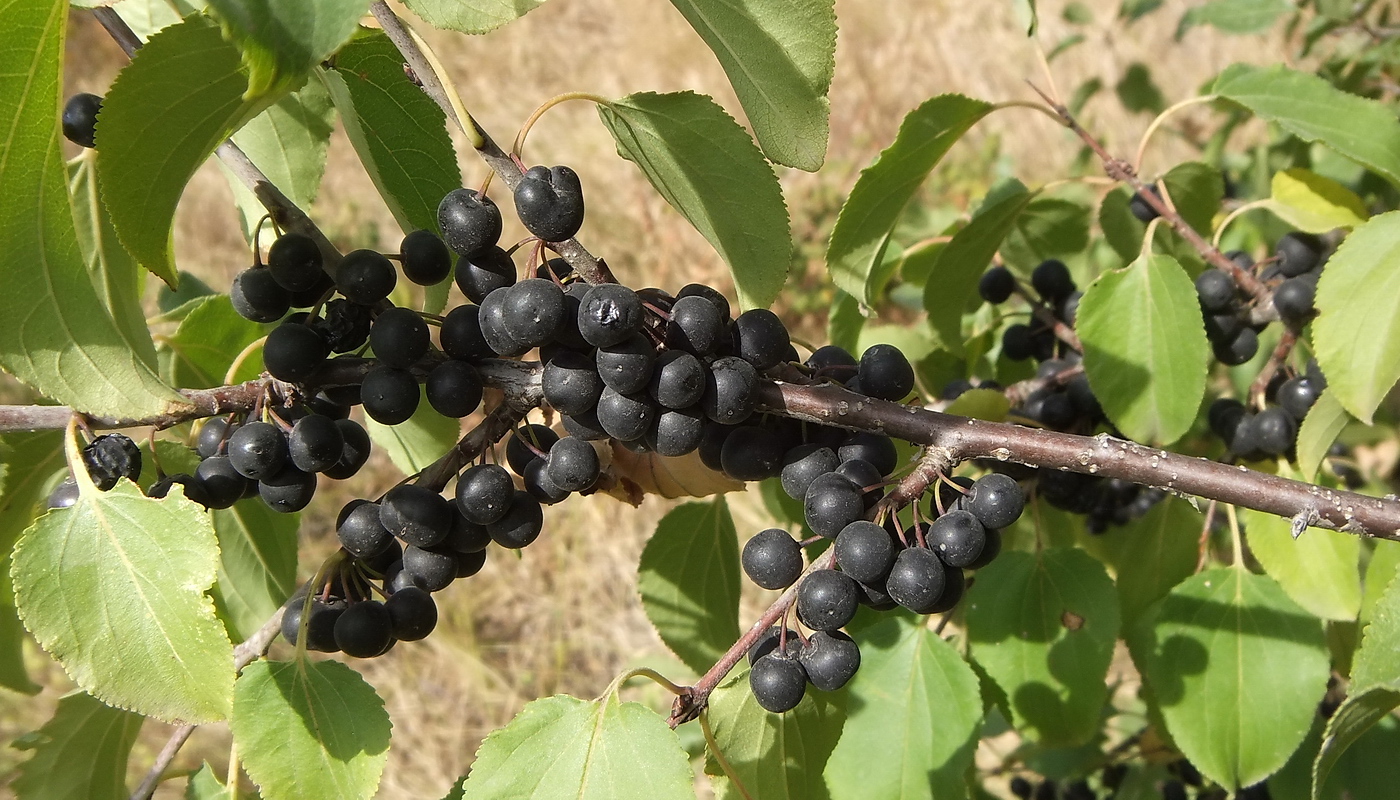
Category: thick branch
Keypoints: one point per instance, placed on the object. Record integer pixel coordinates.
(584, 263)
(1102, 455)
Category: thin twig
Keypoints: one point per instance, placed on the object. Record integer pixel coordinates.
(1259, 389)
(1047, 318)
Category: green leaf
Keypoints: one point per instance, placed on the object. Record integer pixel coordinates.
(689, 581)
(1314, 203)
(471, 16)
(913, 341)
(309, 729)
(884, 189)
(118, 280)
(1152, 554)
(1357, 714)
(417, 442)
(144, 636)
(774, 755)
(205, 785)
(1237, 669)
(205, 345)
(952, 284)
(1235, 16)
(1320, 428)
(1196, 190)
(185, 79)
(563, 747)
(1043, 626)
(80, 753)
(1145, 350)
(27, 462)
(779, 57)
(145, 17)
(399, 134)
(1382, 568)
(915, 709)
(58, 336)
(1310, 108)
(288, 142)
(257, 564)
(988, 404)
(709, 170)
(282, 40)
(1378, 659)
(1137, 91)
(1356, 336)
(1318, 570)
(1121, 229)
(1048, 227)
(844, 321)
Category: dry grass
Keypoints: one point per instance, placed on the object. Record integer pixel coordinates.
(565, 616)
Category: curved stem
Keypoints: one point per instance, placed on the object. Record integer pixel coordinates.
(1157, 123)
(1224, 223)
(1031, 104)
(719, 757)
(242, 356)
(519, 143)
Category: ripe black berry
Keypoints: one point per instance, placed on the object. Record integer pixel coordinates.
(80, 119)
(390, 395)
(885, 373)
(521, 523)
(608, 314)
(802, 465)
(365, 277)
(484, 493)
(257, 450)
(695, 326)
(412, 614)
(571, 382)
(826, 600)
(189, 484)
(492, 318)
(355, 452)
(752, 453)
(676, 432)
(996, 500)
(425, 259)
(917, 580)
(1294, 299)
(469, 222)
(528, 444)
(772, 559)
(719, 301)
(1141, 209)
(111, 457)
(465, 536)
(778, 682)
(362, 533)
(1274, 431)
(484, 273)
(876, 448)
(549, 202)
(1297, 395)
(729, 389)
(865, 551)
(1017, 342)
(293, 351)
(223, 486)
(211, 436)
(1237, 350)
(1298, 253)
(346, 325)
(431, 569)
(761, 339)
(320, 626)
(399, 337)
(996, 285)
(315, 443)
(573, 464)
(830, 659)
(677, 380)
(295, 262)
(257, 296)
(453, 389)
(288, 490)
(541, 486)
(533, 311)
(625, 417)
(416, 514)
(1224, 416)
(957, 537)
(832, 502)
(1052, 280)
(626, 367)
(1216, 291)
(364, 630)
(460, 334)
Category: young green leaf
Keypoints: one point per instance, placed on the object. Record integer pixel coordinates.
(909, 676)
(118, 280)
(478, 16)
(309, 729)
(1320, 428)
(872, 210)
(1312, 109)
(282, 40)
(1318, 569)
(565, 747)
(186, 78)
(1380, 571)
(689, 581)
(1356, 335)
(21, 492)
(58, 336)
(114, 588)
(288, 142)
(1153, 553)
(1196, 190)
(1235, 16)
(1048, 227)
(205, 785)
(1237, 669)
(709, 170)
(777, 756)
(202, 349)
(418, 441)
(844, 321)
(952, 284)
(988, 404)
(1145, 349)
(1357, 715)
(1314, 203)
(1023, 608)
(257, 564)
(80, 752)
(1121, 229)
(779, 57)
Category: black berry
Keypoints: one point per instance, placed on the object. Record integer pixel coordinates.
(772, 559)
(549, 202)
(469, 222)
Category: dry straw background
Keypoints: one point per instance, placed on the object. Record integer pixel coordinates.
(565, 617)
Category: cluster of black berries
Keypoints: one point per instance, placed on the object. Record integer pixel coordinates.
(1105, 502)
(1292, 274)
(1273, 430)
(107, 459)
(1058, 294)
(879, 565)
